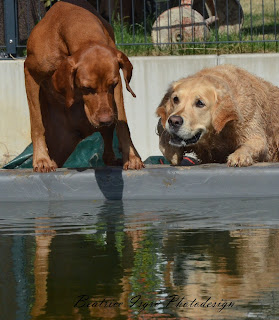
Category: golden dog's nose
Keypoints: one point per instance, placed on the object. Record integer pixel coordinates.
(175, 122)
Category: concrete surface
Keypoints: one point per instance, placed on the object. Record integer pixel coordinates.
(152, 183)
(151, 78)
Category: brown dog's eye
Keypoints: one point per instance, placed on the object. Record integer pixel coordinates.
(113, 85)
(200, 104)
(87, 90)
(175, 99)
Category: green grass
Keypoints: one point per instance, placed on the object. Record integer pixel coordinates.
(135, 38)
(128, 34)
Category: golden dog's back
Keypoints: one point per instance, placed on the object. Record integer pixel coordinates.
(253, 97)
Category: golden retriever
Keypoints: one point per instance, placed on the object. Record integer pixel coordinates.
(222, 114)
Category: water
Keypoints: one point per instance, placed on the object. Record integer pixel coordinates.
(200, 259)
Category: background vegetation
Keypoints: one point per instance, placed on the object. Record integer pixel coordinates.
(258, 34)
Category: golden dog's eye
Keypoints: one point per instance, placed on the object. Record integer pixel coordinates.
(175, 99)
(200, 104)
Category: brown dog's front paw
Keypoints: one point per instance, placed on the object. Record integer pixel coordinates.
(113, 162)
(44, 165)
(134, 163)
(240, 159)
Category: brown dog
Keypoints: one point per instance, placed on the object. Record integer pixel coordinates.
(223, 114)
(74, 87)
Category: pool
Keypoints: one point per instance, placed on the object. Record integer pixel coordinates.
(118, 255)
(154, 182)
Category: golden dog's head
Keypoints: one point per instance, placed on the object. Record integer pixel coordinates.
(193, 107)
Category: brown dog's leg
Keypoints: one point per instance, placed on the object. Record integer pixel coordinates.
(41, 159)
(108, 155)
(131, 158)
(62, 146)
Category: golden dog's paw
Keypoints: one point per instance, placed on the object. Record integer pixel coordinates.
(134, 163)
(44, 165)
(240, 159)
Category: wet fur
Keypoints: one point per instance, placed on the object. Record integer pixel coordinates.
(244, 118)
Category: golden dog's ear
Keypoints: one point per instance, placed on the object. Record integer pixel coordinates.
(127, 68)
(163, 106)
(63, 80)
(223, 112)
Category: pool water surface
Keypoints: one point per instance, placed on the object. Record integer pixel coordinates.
(197, 259)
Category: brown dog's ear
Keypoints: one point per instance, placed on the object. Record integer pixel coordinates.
(162, 108)
(63, 80)
(127, 68)
(223, 112)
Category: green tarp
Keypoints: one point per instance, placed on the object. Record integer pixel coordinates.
(88, 153)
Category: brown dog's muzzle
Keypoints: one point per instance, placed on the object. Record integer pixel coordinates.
(99, 111)
(105, 117)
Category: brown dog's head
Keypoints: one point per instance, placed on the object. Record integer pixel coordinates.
(194, 106)
(93, 73)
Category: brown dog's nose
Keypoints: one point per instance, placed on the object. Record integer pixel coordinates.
(175, 122)
(106, 118)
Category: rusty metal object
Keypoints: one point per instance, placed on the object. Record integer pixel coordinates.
(180, 24)
(228, 12)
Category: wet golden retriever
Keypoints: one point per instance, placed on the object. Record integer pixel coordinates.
(223, 114)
